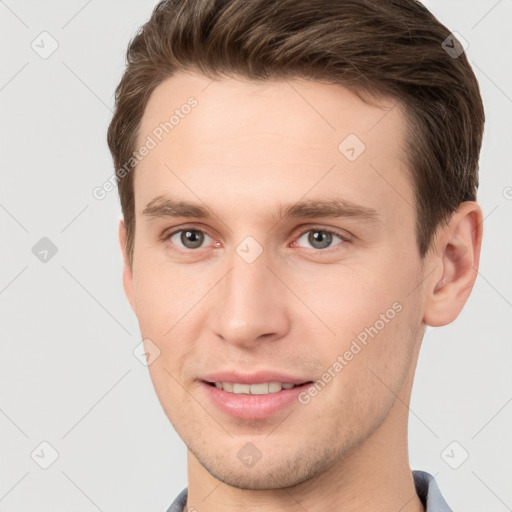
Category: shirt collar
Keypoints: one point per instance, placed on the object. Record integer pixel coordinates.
(425, 483)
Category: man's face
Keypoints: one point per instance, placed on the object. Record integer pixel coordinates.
(247, 294)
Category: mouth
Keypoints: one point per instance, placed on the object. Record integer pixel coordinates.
(255, 397)
(261, 388)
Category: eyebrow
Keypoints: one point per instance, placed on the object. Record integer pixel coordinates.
(163, 206)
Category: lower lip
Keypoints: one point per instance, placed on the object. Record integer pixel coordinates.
(252, 407)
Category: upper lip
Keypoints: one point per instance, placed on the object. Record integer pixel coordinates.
(253, 378)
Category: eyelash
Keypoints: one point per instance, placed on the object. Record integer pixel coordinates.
(166, 236)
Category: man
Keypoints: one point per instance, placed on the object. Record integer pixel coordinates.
(298, 183)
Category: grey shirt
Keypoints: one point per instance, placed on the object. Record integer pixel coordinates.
(425, 483)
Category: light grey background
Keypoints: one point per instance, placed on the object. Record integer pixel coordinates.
(68, 373)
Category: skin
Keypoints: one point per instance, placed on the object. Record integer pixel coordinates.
(245, 149)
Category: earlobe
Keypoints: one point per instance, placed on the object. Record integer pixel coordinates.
(127, 266)
(458, 253)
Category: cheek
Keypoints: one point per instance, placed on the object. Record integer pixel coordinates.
(374, 318)
(163, 295)
(371, 369)
(170, 303)
(352, 299)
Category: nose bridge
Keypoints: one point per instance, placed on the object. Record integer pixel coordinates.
(245, 281)
(248, 301)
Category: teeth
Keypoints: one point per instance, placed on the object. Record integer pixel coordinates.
(263, 388)
(274, 387)
(241, 388)
(259, 389)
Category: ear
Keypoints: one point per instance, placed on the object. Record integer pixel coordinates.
(457, 253)
(127, 266)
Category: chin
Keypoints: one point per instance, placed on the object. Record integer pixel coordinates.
(256, 480)
(277, 473)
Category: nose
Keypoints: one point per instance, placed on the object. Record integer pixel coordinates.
(250, 304)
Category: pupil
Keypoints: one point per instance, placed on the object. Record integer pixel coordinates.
(320, 239)
(191, 239)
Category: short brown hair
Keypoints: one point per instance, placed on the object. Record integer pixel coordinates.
(393, 48)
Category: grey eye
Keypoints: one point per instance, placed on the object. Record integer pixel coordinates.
(319, 238)
(189, 238)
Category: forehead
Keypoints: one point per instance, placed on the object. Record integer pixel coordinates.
(316, 111)
(240, 137)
